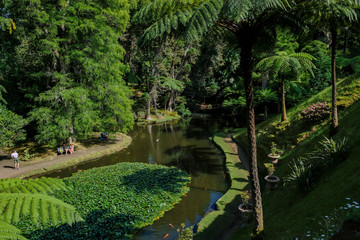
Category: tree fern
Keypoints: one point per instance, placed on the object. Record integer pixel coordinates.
(38, 185)
(39, 207)
(8, 231)
(10, 182)
(163, 16)
(203, 18)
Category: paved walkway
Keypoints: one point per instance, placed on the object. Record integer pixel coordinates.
(56, 162)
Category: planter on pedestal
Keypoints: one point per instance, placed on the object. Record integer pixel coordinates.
(273, 158)
(246, 211)
(272, 181)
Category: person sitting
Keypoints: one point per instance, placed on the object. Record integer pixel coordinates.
(67, 149)
(72, 150)
(104, 136)
(60, 150)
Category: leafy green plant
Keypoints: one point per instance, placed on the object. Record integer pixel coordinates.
(306, 170)
(270, 168)
(38, 185)
(274, 150)
(40, 208)
(334, 152)
(183, 111)
(303, 174)
(10, 232)
(11, 127)
(117, 200)
(26, 155)
(185, 233)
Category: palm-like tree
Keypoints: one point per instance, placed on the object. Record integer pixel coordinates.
(286, 66)
(248, 20)
(334, 14)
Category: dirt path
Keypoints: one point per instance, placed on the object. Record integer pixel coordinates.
(54, 161)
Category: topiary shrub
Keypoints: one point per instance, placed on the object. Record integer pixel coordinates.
(316, 112)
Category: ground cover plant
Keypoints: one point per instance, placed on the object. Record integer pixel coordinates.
(117, 200)
(111, 202)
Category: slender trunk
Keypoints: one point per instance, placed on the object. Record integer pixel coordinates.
(265, 111)
(346, 42)
(283, 105)
(279, 100)
(264, 80)
(71, 134)
(171, 99)
(148, 106)
(246, 59)
(155, 105)
(334, 114)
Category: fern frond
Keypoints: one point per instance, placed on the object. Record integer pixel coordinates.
(10, 182)
(39, 185)
(38, 207)
(8, 231)
(203, 18)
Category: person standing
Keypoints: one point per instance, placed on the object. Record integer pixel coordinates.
(15, 156)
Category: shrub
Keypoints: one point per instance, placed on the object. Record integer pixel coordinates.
(316, 112)
(306, 170)
(304, 174)
(334, 152)
(183, 111)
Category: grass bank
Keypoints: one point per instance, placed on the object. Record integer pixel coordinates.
(216, 223)
(287, 213)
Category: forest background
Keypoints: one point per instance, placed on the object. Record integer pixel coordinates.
(71, 68)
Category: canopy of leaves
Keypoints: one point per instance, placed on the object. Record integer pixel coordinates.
(11, 128)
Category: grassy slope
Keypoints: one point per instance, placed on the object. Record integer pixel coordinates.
(286, 213)
(216, 223)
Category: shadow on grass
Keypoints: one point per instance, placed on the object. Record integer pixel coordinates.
(98, 224)
(92, 141)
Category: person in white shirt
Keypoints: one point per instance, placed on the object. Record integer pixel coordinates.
(15, 156)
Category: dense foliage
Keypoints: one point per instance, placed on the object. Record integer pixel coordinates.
(11, 127)
(117, 200)
(102, 203)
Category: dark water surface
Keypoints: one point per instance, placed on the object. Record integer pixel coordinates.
(186, 145)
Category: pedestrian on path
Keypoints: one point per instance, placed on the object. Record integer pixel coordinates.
(15, 156)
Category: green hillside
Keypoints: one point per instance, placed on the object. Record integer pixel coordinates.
(288, 213)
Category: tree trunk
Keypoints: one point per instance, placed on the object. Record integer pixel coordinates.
(148, 103)
(283, 105)
(246, 59)
(334, 114)
(171, 100)
(265, 111)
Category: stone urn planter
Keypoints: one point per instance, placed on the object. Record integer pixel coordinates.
(272, 181)
(273, 158)
(246, 211)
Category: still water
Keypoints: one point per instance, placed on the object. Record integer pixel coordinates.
(186, 145)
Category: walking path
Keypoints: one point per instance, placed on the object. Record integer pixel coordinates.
(56, 162)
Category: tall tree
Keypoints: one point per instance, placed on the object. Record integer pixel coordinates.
(70, 66)
(334, 14)
(248, 21)
(286, 66)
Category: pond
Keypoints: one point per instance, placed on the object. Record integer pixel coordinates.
(186, 145)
